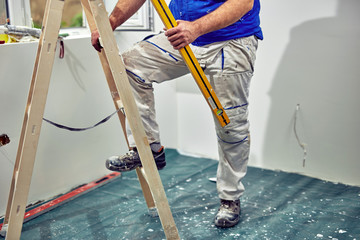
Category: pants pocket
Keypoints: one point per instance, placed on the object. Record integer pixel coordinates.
(233, 92)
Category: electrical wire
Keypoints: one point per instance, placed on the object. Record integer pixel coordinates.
(301, 144)
(85, 128)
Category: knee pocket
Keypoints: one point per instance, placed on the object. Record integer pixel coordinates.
(237, 130)
(232, 91)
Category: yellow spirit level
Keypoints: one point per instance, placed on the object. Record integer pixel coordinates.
(208, 92)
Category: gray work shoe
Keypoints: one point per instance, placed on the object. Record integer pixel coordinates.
(131, 160)
(228, 214)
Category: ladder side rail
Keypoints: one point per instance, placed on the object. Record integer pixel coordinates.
(117, 102)
(33, 119)
(132, 114)
(21, 140)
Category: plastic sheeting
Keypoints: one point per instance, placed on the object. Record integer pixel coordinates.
(276, 205)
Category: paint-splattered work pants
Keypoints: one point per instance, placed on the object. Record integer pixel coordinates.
(229, 67)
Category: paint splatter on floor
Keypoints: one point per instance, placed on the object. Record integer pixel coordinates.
(276, 205)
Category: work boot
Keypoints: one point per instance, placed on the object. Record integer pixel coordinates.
(131, 160)
(228, 214)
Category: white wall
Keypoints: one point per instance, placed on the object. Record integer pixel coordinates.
(310, 56)
(78, 97)
(317, 66)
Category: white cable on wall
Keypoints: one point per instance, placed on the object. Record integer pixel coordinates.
(301, 144)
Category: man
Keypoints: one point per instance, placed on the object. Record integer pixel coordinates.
(223, 35)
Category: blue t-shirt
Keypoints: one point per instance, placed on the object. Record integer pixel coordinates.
(190, 10)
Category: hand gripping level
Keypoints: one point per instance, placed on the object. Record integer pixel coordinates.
(208, 92)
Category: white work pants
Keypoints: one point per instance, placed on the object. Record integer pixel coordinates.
(229, 67)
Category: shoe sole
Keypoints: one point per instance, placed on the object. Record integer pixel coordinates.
(159, 165)
(118, 169)
(226, 223)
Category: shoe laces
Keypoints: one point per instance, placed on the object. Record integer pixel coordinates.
(229, 205)
(132, 154)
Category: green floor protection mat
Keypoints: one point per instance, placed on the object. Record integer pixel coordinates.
(276, 205)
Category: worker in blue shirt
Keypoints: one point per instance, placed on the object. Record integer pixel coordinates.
(223, 35)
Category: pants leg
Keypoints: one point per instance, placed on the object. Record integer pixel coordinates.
(230, 74)
(234, 143)
(229, 66)
(149, 61)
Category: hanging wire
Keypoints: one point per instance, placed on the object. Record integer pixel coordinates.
(6, 154)
(85, 128)
(301, 144)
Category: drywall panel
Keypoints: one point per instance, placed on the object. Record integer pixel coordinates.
(310, 58)
(78, 97)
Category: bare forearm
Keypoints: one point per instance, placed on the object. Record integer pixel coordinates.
(228, 13)
(123, 10)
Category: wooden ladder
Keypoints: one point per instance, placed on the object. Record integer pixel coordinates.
(121, 93)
